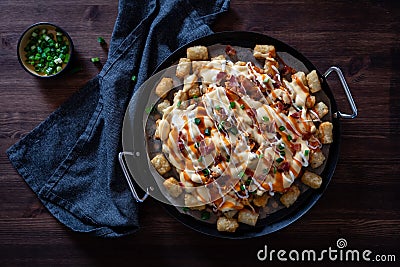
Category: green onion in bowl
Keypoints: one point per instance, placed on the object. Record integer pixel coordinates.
(45, 50)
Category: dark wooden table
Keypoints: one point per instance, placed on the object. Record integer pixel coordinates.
(361, 204)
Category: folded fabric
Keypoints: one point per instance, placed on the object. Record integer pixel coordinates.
(71, 159)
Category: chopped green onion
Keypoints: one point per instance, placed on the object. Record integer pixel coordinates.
(149, 109)
(185, 209)
(282, 153)
(200, 159)
(281, 146)
(241, 174)
(242, 187)
(133, 78)
(205, 215)
(279, 160)
(100, 40)
(260, 156)
(275, 170)
(95, 59)
(282, 128)
(228, 158)
(289, 137)
(197, 121)
(197, 145)
(265, 118)
(242, 106)
(232, 104)
(266, 79)
(265, 171)
(248, 181)
(178, 105)
(306, 152)
(206, 172)
(217, 107)
(207, 131)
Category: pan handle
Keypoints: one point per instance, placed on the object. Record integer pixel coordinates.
(346, 88)
(128, 178)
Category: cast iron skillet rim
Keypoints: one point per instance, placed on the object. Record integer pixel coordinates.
(306, 200)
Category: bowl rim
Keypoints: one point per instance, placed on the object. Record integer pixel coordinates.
(33, 73)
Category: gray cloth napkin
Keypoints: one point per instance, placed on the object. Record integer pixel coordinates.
(71, 159)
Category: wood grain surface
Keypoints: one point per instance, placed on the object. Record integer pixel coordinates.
(361, 204)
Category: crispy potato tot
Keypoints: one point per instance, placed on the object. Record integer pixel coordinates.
(248, 217)
(227, 224)
(313, 82)
(164, 86)
(311, 179)
(173, 187)
(161, 164)
(321, 109)
(316, 159)
(183, 68)
(325, 132)
(197, 53)
(290, 196)
(264, 51)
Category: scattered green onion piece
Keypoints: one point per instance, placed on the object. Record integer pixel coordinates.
(185, 209)
(232, 104)
(282, 128)
(205, 215)
(207, 131)
(265, 118)
(289, 137)
(95, 59)
(260, 156)
(248, 181)
(100, 40)
(242, 106)
(281, 146)
(200, 159)
(197, 121)
(217, 107)
(275, 170)
(178, 105)
(282, 153)
(148, 110)
(306, 152)
(242, 187)
(197, 145)
(228, 158)
(206, 172)
(241, 174)
(279, 160)
(133, 78)
(265, 171)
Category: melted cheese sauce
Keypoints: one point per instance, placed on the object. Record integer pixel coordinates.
(237, 130)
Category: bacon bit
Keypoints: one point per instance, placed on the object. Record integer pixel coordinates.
(206, 149)
(230, 51)
(307, 136)
(221, 76)
(218, 159)
(279, 106)
(181, 146)
(296, 115)
(295, 147)
(283, 167)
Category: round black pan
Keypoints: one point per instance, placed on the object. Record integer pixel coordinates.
(283, 217)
